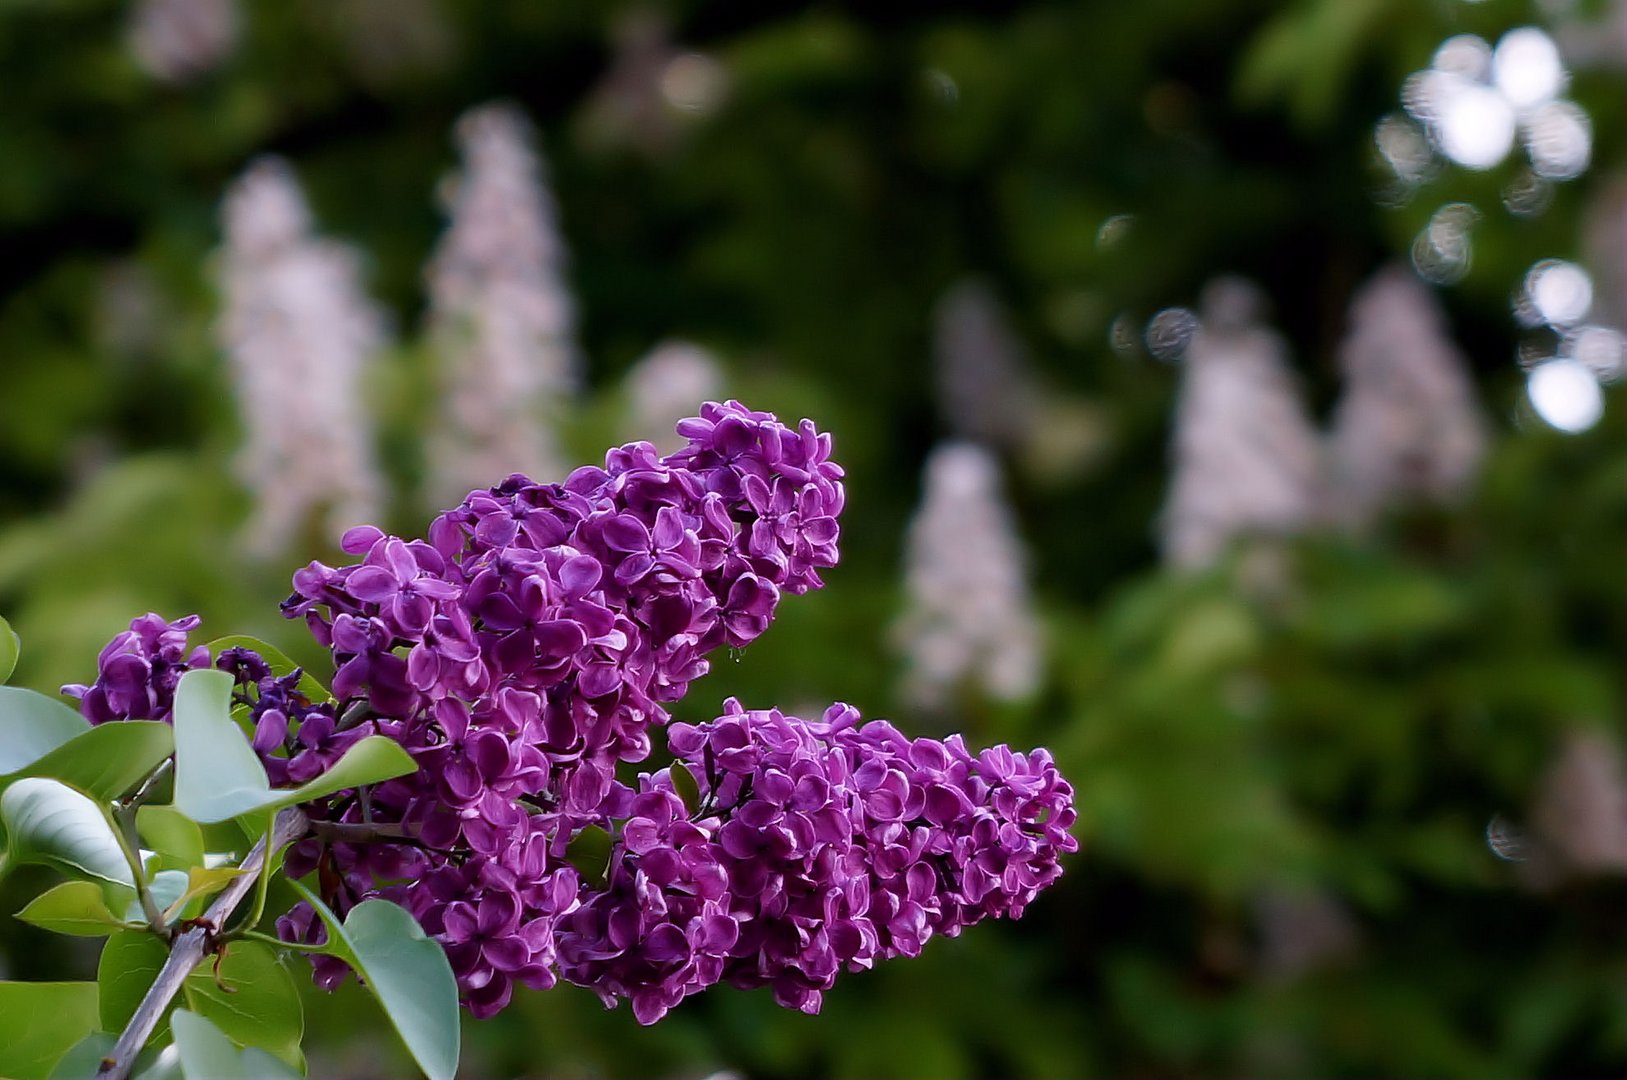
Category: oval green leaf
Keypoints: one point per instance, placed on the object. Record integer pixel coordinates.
(106, 761)
(10, 647)
(167, 887)
(41, 1022)
(217, 775)
(130, 961)
(50, 823)
(85, 1057)
(73, 907)
(176, 837)
(207, 1054)
(683, 782)
(589, 852)
(252, 999)
(406, 971)
(31, 726)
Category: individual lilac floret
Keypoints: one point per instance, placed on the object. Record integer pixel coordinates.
(138, 670)
(816, 847)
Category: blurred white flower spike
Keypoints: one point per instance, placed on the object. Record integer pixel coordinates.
(665, 386)
(1407, 426)
(501, 317)
(177, 41)
(299, 333)
(1247, 460)
(969, 618)
(981, 371)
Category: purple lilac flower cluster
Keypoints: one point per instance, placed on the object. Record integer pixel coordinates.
(524, 648)
(816, 846)
(137, 672)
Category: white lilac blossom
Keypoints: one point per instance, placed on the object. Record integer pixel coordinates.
(969, 617)
(299, 333)
(984, 388)
(177, 41)
(524, 649)
(664, 385)
(501, 317)
(1604, 240)
(1247, 459)
(1407, 426)
(1579, 813)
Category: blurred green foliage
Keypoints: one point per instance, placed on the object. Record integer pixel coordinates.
(1346, 738)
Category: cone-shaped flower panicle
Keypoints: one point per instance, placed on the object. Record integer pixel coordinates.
(665, 384)
(1247, 460)
(501, 318)
(969, 618)
(176, 41)
(1406, 426)
(299, 333)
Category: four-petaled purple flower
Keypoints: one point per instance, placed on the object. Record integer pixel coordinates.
(522, 651)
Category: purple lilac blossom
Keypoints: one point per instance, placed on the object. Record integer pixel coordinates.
(138, 670)
(816, 847)
(524, 649)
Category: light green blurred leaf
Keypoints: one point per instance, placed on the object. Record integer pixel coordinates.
(207, 1054)
(52, 824)
(10, 647)
(41, 1022)
(405, 970)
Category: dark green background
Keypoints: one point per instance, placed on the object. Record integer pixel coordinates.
(1354, 740)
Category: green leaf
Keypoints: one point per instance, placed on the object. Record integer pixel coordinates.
(176, 837)
(207, 1054)
(50, 823)
(73, 907)
(200, 881)
(166, 887)
(255, 1001)
(40, 1022)
(279, 663)
(217, 775)
(106, 761)
(589, 852)
(31, 726)
(407, 972)
(130, 962)
(683, 782)
(85, 1057)
(10, 646)
(165, 1065)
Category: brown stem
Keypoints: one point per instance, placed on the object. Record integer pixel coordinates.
(190, 947)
